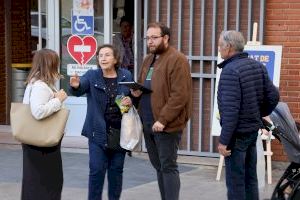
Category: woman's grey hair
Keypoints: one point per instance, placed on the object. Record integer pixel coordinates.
(234, 39)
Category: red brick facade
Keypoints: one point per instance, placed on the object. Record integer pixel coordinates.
(15, 33)
(2, 65)
(208, 45)
(20, 32)
(282, 27)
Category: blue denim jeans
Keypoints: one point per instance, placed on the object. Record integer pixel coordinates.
(241, 176)
(102, 160)
(162, 150)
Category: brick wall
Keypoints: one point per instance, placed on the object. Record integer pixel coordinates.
(2, 64)
(203, 99)
(20, 48)
(282, 27)
(21, 31)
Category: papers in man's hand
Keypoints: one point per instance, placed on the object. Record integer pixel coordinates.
(136, 86)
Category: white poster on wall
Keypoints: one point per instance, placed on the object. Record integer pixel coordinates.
(270, 56)
(83, 7)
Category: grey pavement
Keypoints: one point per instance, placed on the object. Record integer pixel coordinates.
(197, 174)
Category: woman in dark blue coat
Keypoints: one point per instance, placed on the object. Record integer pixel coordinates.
(103, 117)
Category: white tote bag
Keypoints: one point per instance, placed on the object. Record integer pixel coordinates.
(131, 130)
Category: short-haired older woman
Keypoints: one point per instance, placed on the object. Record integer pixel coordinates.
(103, 114)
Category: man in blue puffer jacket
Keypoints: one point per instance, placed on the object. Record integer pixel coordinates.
(245, 95)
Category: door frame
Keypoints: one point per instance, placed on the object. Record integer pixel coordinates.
(77, 105)
(53, 25)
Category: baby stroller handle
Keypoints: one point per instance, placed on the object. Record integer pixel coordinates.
(269, 126)
(273, 128)
(276, 130)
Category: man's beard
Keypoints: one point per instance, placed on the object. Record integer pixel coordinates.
(159, 49)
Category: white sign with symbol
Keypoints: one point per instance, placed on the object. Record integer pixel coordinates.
(82, 25)
(80, 70)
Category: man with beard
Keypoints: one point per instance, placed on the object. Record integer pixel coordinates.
(166, 110)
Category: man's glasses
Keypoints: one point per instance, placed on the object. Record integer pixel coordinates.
(152, 38)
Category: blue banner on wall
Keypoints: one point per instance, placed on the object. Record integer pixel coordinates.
(267, 58)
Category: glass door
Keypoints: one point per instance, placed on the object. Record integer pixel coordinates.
(78, 10)
(74, 20)
(38, 14)
(45, 24)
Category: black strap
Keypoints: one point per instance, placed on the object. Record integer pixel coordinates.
(151, 64)
(153, 61)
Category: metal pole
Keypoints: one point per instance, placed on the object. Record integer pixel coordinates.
(237, 19)
(262, 21)
(179, 24)
(39, 45)
(249, 20)
(108, 21)
(137, 37)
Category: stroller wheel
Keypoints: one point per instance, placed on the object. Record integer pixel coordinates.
(288, 187)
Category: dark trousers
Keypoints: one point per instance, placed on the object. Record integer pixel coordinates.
(162, 150)
(102, 160)
(241, 176)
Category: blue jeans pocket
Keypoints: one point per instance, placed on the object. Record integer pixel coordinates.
(240, 145)
(243, 142)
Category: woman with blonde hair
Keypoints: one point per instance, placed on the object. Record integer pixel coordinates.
(42, 166)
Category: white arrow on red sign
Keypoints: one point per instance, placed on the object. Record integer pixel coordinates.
(82, 49)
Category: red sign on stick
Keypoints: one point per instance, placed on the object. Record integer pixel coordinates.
(82, 49)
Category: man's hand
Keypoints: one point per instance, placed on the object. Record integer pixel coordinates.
(136, 93)
(158, 127)
(223, 150)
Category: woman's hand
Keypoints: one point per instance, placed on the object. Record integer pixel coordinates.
(74, 81)
(126, 101)
(61, 95)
